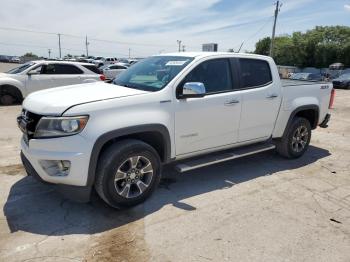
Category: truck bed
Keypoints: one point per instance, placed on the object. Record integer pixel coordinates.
(291, 82)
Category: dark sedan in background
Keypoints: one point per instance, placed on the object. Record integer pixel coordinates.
(342, 81)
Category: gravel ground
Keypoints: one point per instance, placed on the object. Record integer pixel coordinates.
(259, 208)
(4, 67)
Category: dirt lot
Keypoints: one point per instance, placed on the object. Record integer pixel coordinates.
(4, 67)
(260, 208)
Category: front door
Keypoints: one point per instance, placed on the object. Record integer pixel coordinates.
(213, 120)
(38, 80)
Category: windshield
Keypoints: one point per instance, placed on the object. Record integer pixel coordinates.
(21, 68)
(345, 76)
(98, 58)
(153, 73)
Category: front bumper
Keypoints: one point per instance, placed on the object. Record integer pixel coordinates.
(74, 149)
(324, 123)
(76, 193)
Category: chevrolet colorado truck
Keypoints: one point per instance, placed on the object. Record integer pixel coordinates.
(193, 109)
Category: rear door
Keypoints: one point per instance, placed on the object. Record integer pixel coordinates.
(261, 99)
(210, 121)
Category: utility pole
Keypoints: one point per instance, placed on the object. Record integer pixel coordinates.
(59, 45)
(87, 46)
(183, 48)
(49, 53)
(179, 43)
(274, 28)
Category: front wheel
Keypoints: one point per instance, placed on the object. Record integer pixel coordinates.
(127, 173)
(297, 139)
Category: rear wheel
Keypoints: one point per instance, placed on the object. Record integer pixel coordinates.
(297, 139)
(127, 173)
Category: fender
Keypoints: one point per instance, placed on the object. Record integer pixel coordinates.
(103, 139)
(299, 109)
(8, 81)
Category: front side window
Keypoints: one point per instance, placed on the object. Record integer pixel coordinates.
(254, 72)
(214, 74)
(153, 73)
(61, 69)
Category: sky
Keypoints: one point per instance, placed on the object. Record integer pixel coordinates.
(147, 27)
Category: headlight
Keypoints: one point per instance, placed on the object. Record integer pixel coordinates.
(60, 126)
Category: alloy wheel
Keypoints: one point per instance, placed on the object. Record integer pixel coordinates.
(133, 176)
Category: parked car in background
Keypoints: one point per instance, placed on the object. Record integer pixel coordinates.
(4, 58)
(98, 61)
(343, 81)
(132, 61)
(111, 71)
(306, 76)
(33, 76)
(166, 109)
(101, 61)
(15, 59)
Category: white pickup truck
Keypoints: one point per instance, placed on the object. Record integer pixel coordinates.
(194, 109)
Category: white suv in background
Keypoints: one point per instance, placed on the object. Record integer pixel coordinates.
(111, 71)
(33, 76)
(101, 61)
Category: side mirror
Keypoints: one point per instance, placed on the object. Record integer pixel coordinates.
(193, 89)
(33, 72)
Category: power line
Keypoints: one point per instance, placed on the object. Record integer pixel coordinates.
(83, 37)
(67, 49)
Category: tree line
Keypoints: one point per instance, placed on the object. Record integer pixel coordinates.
(318, 47)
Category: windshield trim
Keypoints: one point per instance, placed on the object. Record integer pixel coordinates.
(13, 70)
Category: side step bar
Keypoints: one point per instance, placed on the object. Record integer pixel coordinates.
(222, 156)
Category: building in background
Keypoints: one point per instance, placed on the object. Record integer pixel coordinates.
(211, 47)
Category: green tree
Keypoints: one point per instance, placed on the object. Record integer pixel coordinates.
(30, 54)
(263, 46)
(318, 47)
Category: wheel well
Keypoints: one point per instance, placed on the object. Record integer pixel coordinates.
(154, 139)
(309, 114)
(14, 91)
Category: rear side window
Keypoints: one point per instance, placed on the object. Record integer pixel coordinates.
(254, 72)
(214, 74)
(92, 68)
(61, 69)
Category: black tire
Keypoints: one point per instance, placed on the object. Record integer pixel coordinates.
(10, 95)
(7, 99)
(117, 158)
(294, 148)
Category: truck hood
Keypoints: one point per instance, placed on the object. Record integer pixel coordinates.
(55, 101)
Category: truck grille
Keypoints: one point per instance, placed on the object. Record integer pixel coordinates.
(27, 122)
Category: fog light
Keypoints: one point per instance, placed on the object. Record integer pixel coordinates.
(56, 167)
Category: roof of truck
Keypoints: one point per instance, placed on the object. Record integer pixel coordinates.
(207, 54)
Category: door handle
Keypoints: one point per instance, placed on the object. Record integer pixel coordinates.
(231, 102)
(272, 96)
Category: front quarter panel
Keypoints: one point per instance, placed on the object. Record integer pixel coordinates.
(17, 81)
(115, 114)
